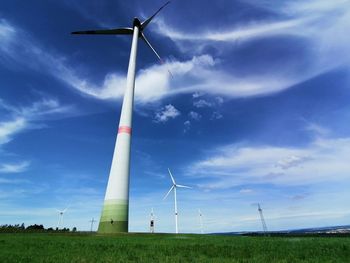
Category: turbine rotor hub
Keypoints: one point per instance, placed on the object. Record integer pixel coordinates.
(137, 23)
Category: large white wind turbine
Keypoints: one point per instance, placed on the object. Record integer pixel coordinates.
(60, 217)
(115, 213)
(173, 187)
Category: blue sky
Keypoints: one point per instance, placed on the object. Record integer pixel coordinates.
(257, 111)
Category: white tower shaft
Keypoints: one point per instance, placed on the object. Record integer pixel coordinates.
(176, 226)
(115, 213)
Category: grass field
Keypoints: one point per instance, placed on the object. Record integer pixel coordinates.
(55, 247)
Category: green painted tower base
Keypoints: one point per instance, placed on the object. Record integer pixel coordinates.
(114, 218)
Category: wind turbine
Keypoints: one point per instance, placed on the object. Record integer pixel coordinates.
(92, 221)
(173, 187)
(151, 224)
(115, 212)
(200, 220)
(262, 219)
(60, 217)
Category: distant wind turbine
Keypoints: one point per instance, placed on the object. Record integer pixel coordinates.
(173, 187)
(60, 217)
(262, 219)
(200, 220)
(115, 212)
(92, 221)
(151, 224)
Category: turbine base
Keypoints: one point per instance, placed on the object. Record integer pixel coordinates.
(116, 227)
(114, 218)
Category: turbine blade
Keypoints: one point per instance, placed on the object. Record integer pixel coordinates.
(64, 210)
(168, 192)
(183, 186)
(172, 178)
(115, 31)
(148, 20)
(143, 37)
(149, 44)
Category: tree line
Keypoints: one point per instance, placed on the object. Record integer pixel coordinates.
(32, 228)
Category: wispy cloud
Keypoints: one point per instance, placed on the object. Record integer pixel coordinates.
(203, 73)
(243, 33)
(324, 160)
(14, 167)
(20, 118)
(324, 32)
(10, 128)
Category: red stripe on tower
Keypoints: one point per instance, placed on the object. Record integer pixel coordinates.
(124, 129)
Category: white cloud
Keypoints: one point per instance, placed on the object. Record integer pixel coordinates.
(216, 116)
(324, 160)
(166, 113)
(14, 167)
(202, 103)
(194, 115)
(187, 126)
(10, 128)
(197, 95)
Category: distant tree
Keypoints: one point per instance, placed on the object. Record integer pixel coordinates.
(35, 227)
(22, 227)
(74, 229)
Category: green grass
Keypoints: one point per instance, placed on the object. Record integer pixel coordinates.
(45, 247)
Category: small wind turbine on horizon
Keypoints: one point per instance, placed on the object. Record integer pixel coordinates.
(92, 221)
(151, 223)
(173, 187)
(262, 219)
(200, 220)
(115, 212)
(60, 217)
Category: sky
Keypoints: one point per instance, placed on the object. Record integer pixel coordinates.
(256, 111)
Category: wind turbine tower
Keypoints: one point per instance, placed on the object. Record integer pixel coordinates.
(151, 223)
(262, 219)
(115, 212)
(174, 187)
